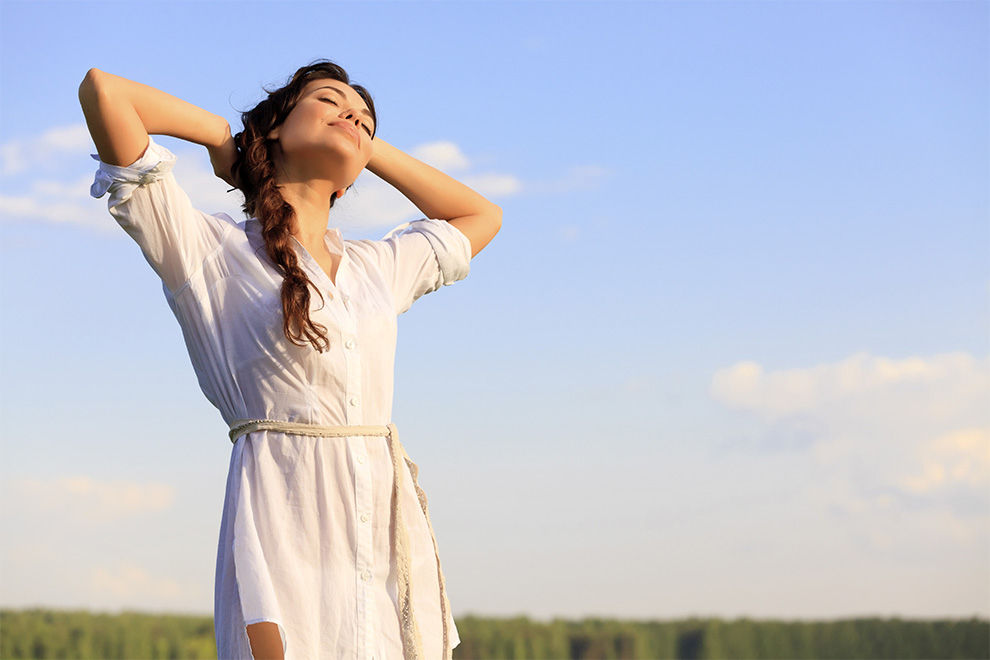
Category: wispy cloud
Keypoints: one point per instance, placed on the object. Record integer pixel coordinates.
(887, 435)
(372, 204)
(59, 202)
(45, 150)
(443, 155)
(957, 457)
(578, 178)
(83, 498)
(942, 384)
(374, 199)
(494, 186)
(73, 540)
(48, 178)
(127, 582)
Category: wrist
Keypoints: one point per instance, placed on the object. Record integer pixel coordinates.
(379, 153)
(221, 135)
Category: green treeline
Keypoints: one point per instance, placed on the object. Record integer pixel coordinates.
(42, 633)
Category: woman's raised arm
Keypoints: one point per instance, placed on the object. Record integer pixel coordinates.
(120, 113)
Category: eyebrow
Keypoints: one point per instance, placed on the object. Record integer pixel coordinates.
(365, 112)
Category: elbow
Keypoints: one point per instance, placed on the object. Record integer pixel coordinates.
(92, 74)
(497, 210)
(89, 82)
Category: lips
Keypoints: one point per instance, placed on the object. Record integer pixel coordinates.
(350, 129)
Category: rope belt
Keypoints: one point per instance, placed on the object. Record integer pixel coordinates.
(412, 646)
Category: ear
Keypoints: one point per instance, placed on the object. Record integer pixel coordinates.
(340, 193)
(273, 134)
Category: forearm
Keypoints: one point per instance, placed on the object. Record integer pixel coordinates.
(433, 192)
(160, 113)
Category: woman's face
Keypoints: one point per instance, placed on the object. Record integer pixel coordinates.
(327, 135)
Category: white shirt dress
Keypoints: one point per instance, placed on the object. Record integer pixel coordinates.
(304, 536)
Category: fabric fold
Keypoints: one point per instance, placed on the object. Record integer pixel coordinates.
(451, 247)
(412, 643)
(421, 256)
(152, 165)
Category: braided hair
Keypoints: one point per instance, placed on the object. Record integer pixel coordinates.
(254, 169)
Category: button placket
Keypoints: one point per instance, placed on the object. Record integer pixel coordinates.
(364, 555)
(363, 488)
(366, 608)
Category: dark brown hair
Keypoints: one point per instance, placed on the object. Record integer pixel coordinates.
(254, 171)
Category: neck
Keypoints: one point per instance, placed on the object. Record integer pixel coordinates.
(308, 193)
(310, 202)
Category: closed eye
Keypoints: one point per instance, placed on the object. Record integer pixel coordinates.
(363, 125)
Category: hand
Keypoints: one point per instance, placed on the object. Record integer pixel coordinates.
(222, 158)
(378, 149)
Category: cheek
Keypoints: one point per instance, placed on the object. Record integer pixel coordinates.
(302, 130)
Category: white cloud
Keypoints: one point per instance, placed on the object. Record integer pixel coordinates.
(940, 384)
(59, 202)
(127, 582)
(891, 439)
(72, 541)
(85, 499)
(961, 456)
(47, 149)
(208, 193)
(493, 185)
(372, 204)
(374, 198)
(444, 155)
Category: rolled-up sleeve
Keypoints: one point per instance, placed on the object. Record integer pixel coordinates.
(149, 205)
(421, 256)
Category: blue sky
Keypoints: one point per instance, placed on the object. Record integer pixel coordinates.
(728, 355)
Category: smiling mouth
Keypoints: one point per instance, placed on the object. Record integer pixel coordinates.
(353, 133)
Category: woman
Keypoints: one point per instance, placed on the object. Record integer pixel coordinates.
(326, 549)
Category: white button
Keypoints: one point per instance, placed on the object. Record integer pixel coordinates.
(360, 459)
(366, 575)
(364, 517)
(353, 400)
(345, 297)
(349, 343)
